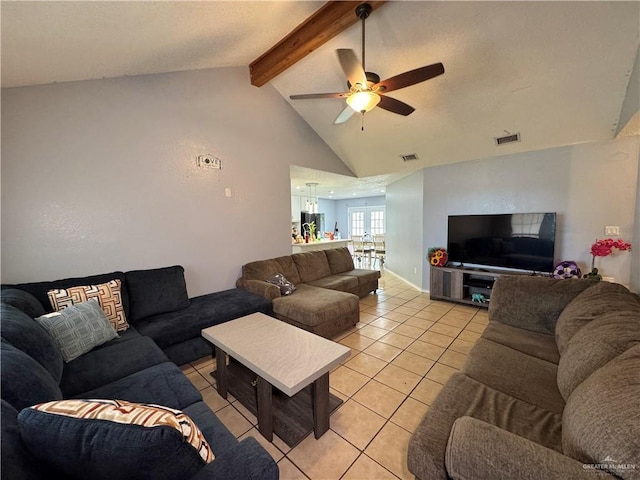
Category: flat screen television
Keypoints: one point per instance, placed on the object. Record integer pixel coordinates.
(521, 241)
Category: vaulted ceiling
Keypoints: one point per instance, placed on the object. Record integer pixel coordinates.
(556, 72)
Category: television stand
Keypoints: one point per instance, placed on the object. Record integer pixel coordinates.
(462, 285)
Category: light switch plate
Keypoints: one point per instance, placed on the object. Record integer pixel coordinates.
(612, 230)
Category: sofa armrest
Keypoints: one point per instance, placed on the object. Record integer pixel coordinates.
(533, 303)
(479, 450)
(259, 287)
(245, 461)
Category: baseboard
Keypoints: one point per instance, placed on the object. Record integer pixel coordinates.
(405, 280)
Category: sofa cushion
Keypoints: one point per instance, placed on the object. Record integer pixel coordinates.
(157, 290)
(108, 363)
(509, 306)
(162, 384)
(24, 333)
(601, 298)
(464, 396)
(217, 434)
(602, 420)
(342, 283)
(594, 345)
(514, 373)
(313, 306)
(265, 269)
(23, 301)
(204, 311)
(539, 345)
(17, 462)
(40, 289)
(115, 439)
(108, 295)
(311, 265)
(78, 328)
(24, 381)
(340, 260)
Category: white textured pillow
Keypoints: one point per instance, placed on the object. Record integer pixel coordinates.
(78, 328)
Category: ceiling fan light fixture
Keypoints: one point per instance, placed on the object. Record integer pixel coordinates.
(363, 101)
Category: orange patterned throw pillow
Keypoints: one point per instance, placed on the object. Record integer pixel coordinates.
(108, 295)
(115, 439)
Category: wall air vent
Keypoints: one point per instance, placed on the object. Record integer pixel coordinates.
(409, 157)
(510, 138)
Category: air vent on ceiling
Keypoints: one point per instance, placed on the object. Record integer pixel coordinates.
(409, 157)
(512, 137)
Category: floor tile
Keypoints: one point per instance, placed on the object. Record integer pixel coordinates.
(436, 339)
(365, 468)
(461, 346)
(445, 329)
(453, 359)
(203, 362)
(397, 340)
(413, 362)
(274, 451)
(380, 398)
(469, 336)
(329, 456)
(288, 471)
(383, 351)
(396, 316)
(187, 368)
(357, 341)
(452, 321)
(198, 380)
(347, 381)
(419, 323)
(407, 310)
(410, 414)
(390, 448)
(427, 314)
(236, 423)
(395, 301)
(367, 317)
(475, 327)
(398, 378)
(356, 423)
(373, 332)
(409, 331)
(366, 364)
(385, 323)
(245, 412)
(211, 397)
(441, 373)
(425, 349)
(426, 391)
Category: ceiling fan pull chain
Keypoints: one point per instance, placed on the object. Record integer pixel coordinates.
(362, 127)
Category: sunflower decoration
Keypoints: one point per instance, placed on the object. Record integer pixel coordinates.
(437, 256)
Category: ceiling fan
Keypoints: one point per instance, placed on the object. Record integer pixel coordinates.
(365, 88)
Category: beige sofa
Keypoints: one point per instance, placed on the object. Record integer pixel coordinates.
(550, 391)
(327, 288)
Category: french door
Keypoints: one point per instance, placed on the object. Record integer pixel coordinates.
(366, 220)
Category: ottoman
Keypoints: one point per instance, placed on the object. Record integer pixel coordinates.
(318, 310)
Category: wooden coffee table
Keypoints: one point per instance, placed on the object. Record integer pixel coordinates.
(296, 362)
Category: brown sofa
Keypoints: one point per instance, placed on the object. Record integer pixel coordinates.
(327, 288)
(550, 391)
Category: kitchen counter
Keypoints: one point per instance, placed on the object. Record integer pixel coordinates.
(321, 245)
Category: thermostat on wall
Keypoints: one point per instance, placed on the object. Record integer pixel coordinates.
(209, 160)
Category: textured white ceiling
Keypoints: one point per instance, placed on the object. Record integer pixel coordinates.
(557, 72)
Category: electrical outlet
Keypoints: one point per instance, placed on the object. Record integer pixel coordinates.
(415, 270)
(612, 230)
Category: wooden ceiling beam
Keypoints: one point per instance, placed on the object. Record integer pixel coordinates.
(331, 19)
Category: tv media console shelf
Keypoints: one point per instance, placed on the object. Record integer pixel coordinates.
(460, 284)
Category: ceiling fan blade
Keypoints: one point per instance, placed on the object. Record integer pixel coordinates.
(411, 77)
(351, 67)
(395, 106)
(345, 115)
(309, 96)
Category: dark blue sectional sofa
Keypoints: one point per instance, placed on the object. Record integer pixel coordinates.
(138, 366)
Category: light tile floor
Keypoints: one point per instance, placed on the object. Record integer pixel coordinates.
(403, 350)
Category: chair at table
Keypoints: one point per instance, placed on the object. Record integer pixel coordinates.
(379, 248)
(362, 247)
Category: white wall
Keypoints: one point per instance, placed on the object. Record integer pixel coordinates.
(589, 186)
(406, 210)
(100, 176)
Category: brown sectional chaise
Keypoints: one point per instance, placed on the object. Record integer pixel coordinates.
(327, 288)
(550, 391)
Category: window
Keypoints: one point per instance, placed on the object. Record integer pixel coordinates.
(366, 220)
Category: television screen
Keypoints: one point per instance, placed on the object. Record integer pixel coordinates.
(523, 241)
